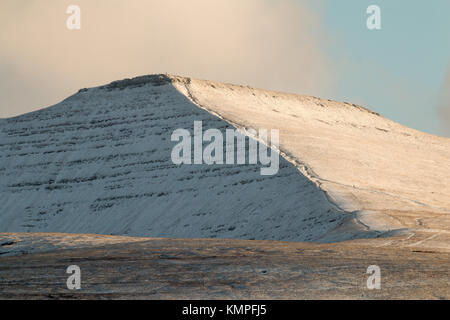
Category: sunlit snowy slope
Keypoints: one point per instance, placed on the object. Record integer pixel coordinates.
(99, 162)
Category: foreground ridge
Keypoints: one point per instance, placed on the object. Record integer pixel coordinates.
(218, 269)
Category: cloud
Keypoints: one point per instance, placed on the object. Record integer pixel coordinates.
(444, 104)
(269, 44)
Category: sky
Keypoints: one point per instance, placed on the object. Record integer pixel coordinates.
(401, 71)
(315, 47)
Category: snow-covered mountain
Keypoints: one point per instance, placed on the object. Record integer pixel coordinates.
(100, 162)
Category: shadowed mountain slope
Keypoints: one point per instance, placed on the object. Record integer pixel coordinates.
(99, 162)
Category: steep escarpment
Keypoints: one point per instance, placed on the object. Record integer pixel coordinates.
(100, 162)
(388, 176)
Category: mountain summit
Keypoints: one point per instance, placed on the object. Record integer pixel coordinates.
(100, 162)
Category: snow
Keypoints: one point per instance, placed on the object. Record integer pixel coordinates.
(388, 176)
(13, 244)
(99, 162)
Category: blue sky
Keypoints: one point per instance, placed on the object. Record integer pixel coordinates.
(398, 70)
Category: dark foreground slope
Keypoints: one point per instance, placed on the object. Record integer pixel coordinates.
(221, 268)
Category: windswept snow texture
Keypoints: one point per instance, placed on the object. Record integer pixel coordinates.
(390, 177)
(99, 162)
